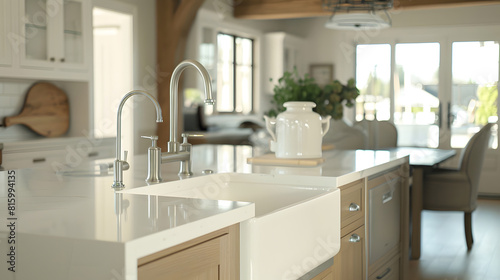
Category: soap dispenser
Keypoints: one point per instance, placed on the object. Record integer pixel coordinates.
(154, 161)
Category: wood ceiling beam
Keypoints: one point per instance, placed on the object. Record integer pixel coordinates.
(287, 9)
(278, 9)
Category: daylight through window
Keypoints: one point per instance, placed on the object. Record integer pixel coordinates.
(234, 74)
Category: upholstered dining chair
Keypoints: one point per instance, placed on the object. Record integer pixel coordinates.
(378, 134)
(456, 190)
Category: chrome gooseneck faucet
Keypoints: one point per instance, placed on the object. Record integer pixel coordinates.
(119, 162)
(173, 144)
(175, 150)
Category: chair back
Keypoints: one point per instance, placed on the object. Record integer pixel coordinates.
(379, 134)
(344, 137)
(471, 161)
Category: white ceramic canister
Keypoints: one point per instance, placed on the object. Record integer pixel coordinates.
(298, 131)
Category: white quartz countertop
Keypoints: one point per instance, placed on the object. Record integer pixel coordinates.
(340, 166)
(57, 214)
(81, 216)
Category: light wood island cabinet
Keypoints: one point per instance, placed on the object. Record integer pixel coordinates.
(374, 228)
(214, 256)
(349, 262)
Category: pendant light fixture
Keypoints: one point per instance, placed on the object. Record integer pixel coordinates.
(358, 14)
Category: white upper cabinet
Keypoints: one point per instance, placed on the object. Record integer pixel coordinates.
(54, 33)
(46, 39)
(5, 29)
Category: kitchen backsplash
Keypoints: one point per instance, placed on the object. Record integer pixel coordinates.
(12, 95)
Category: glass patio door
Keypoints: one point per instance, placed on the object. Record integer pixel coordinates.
(474, 91)
(438, 99)
(416, 98)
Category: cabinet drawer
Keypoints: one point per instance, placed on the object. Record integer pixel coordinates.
(202, 261)
(352, 202)
(349, 262)
(212, 256)
(389, 271)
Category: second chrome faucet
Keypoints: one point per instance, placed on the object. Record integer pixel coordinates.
(175, 150)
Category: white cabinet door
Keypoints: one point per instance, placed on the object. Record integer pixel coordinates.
(54, 33)
(5, 32)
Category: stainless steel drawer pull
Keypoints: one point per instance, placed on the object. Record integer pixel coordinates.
(387, 271)
(387, 197)
(354, 207)
(355, 238)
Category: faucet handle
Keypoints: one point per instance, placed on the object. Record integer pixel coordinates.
(125, 155)
(186, 135)
(153, 138)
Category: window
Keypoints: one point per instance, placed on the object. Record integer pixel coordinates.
(416, 101)
(234, 74)
(429, 111)
(474, 90)
(373, 75)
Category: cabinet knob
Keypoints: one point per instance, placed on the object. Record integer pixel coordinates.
(52, 59)
(62, 59)
(353, 207)
(355, 238)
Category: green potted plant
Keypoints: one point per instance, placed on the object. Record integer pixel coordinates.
(329, 99)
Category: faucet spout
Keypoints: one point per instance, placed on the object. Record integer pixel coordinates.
(118, 163)
(173, 144)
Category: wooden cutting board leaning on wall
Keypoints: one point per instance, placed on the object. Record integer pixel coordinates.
(45, 111)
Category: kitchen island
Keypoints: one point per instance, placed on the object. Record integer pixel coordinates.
(74, 226)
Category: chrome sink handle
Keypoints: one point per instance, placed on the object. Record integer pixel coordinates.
(185, 146)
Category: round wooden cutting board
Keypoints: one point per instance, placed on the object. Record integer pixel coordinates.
(45, 111)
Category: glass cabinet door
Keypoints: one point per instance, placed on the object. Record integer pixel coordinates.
(5, 28)
(5, 25)
(53, 33)
(35, 22)
(73, 32)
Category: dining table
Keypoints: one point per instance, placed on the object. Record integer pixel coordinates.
(421, 160)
